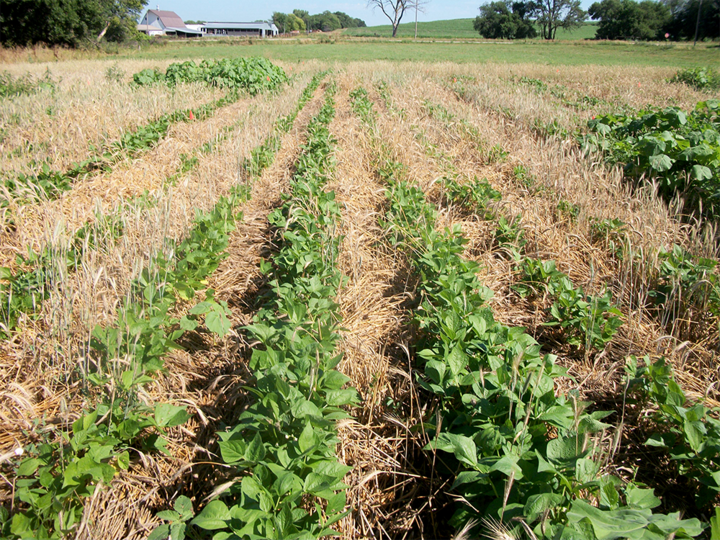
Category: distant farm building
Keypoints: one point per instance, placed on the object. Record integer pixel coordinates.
(165, 23)
(260, 29)
(168, 23)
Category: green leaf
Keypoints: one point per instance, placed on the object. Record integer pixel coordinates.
(232, 451)
(307, 439)
(160, 533)
(21, 525)
(124, 460)
(456, 360)
(538, 504)
(507, 465)
(661, 162)
(184, 507)
(167, 415)
(217, 322)
(609, 525)
(715, 525)
(700, 172)
(168, 515)
(29, 466)
(188, 324)
(641, 498)
(177, 531)
(586, 470)
(213, 517)
(256, 450)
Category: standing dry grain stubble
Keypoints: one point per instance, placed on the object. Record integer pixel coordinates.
(371, 305)
(84, 110)
(210, 374)
(49, 348)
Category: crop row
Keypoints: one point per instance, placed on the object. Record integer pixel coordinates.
(685, 289)
(253, 75)
(24, 290)
(679, 151)
(48, 184)
(58, 475)
(290, 481)
(519, 453)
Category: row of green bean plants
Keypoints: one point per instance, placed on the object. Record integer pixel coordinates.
(524, 458)
(61, 472)
(685, 431)
(289, 480)
(48, 184)
(25, 289)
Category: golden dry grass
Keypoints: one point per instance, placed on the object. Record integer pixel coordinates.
(392, 492)
(50, 347)
(85, 109)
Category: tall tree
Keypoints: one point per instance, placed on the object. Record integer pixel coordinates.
(67, 22)
(394, 9)
(627, 19)
(553, 14)
(500, 20)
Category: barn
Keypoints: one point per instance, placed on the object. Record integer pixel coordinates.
(165, 23)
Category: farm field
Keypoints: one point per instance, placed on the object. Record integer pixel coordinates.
(346, 49)
(365, 299)
(452, 29)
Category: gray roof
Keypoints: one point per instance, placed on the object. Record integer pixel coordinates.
(240, 26)
(169, 18)
(184, 30)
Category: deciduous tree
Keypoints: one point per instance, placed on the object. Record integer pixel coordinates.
(394, 10)
(553, 14)
(500, 20)
(627, 19)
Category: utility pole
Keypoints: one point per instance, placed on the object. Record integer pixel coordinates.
(416, 10)
(697, 24)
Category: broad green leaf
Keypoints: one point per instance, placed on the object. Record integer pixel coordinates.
(641, 498)
(217, 323)
(700, 172)
(508, 465)
(214, 516)
(256, 450)
(715, 525)
(660, 162)
(168, 515)
(188, 324)
(232, 451)
(457, 360)
(167, 415)
(177, 531)
(160, 533)
(307, 439)
(29, 466)
(538, 504)
(609, 525)
(123, 460)
(586, 470)
(693, 434)
(184, 507)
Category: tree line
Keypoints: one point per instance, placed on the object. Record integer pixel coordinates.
(617, 19)
(67, 22)
(301, 20)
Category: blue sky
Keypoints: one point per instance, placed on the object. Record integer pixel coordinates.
(241, 11)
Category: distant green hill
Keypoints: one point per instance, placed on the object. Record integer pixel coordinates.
(452, 29)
